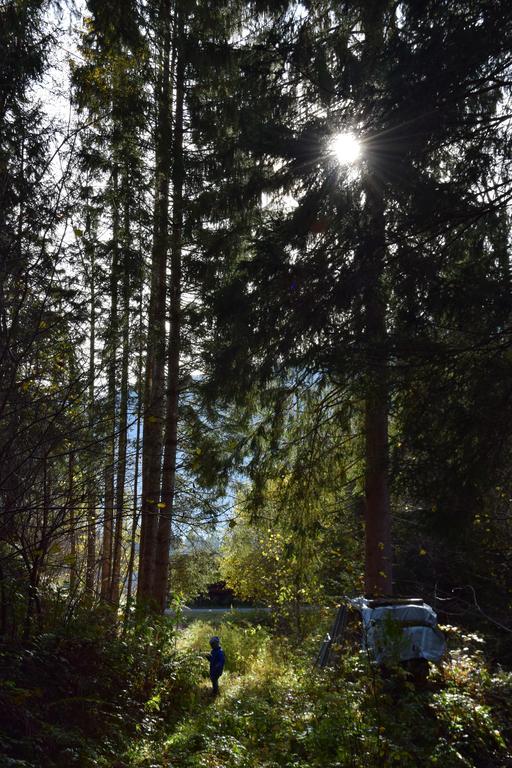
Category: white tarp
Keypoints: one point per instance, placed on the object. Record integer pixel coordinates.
(400, 632)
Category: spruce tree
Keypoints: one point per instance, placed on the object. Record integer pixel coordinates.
(311, 289)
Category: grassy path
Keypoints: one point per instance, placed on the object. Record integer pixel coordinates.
(259, 711)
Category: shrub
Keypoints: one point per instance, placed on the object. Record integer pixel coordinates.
(81, 691)
(241, 644)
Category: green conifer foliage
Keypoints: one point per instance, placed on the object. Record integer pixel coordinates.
(336, 270)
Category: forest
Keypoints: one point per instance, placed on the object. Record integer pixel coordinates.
(255, 383)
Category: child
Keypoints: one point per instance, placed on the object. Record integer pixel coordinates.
(216, 659)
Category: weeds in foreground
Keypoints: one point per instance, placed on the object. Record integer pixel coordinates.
(276, 710)
(78, 695)
(142, 700)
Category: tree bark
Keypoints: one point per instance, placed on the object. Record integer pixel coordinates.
(90, 569)
(155, 357)
(378, 542)
(173, 352)
(135, 509)
(135, 512)
(72, 525)
(378, 567)
(123, 420)
(108, 521)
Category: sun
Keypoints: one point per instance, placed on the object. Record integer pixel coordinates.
(345, 147)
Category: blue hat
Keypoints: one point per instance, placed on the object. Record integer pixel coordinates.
(214, 641)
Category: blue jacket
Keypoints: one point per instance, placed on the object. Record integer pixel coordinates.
(217, 659)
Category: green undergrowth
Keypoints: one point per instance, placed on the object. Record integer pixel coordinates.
(277, 710)
(142, 700)
(78, 695)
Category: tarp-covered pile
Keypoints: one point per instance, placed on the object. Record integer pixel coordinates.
(400, 632)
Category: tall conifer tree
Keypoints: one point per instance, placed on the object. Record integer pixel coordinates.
(306, 286)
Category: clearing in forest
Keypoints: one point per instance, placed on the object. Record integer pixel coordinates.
(276, 710)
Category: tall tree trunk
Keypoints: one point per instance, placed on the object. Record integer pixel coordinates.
(135, 509)
(155, 357)
(123, 417)
(3, 603)
(378, 564)
(378, 570)
(72, 525)
(90, 568)
(108, 521)
(173, 352)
